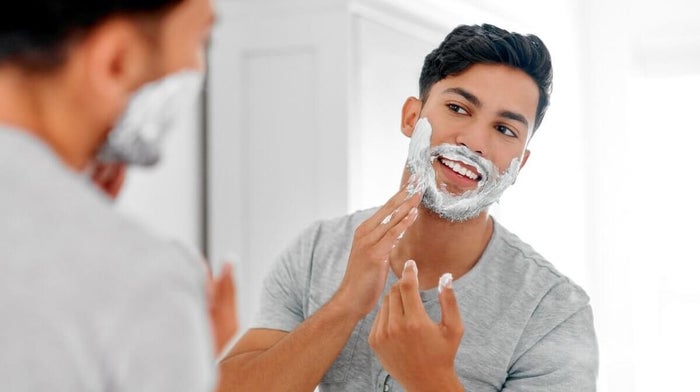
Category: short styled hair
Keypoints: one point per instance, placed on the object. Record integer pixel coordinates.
(34, 34)
(488, 44)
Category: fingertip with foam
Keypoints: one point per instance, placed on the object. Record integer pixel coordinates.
(445, 282)
(409, 265)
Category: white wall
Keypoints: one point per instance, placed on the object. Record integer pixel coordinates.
(278, 118)
(641, 73)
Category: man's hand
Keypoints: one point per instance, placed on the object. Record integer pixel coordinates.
(366, 273)
(222, 308)
(109, 177)
(417, 352)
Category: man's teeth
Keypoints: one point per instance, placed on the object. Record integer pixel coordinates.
(459, 169)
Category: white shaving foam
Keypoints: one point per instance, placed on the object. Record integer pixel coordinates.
(455, 208)
(445, 282)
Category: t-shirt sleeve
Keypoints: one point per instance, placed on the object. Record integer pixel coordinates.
(284, 295)
(563, 355)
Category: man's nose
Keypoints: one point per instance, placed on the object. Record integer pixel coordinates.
(474, 139)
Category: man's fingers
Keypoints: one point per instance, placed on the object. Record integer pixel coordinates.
(383, 214)
(387, 213)
(381, 322)
(408, 286)
(393, 235)
(100, 172)
(448, 304)
(109, 177)
(396, 218)
(226, 290)
(223, 307)
(118, 180)
(104, 172)
(222, 289)
(395, 305)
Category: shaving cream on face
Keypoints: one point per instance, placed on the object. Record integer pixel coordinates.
(152, 110)
(455, 208)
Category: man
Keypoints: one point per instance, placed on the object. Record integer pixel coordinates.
(353, 305)
(90, 301)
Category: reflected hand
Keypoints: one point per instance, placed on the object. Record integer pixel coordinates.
(222, 308)
(109, 177)
(366, 272)
(409, 344)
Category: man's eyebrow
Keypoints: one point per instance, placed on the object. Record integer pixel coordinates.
(476, 102)
(514, 116)
(465, 94)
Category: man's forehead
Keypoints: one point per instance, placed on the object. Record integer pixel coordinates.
(507, 84)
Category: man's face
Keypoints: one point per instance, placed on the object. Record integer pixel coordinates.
(488, 108)
(172, 61)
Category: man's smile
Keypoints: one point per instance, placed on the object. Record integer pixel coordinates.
(459, 174)
(461, 168)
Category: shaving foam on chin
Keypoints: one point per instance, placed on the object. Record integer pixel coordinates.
(455, 208)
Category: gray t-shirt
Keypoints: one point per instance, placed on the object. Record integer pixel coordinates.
(89, 300)
(527, 327)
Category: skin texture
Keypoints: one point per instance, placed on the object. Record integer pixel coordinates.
(73, 107)
(282, 361)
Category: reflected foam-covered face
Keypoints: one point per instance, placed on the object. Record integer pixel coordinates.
(154, 109)
(456, 208)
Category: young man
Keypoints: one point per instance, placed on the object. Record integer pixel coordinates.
(352, 305)
(89, 300)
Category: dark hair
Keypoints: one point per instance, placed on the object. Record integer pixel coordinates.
(469, 45)
(35, 33)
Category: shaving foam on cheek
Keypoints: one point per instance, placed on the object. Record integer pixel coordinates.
(418, 154)
(455, 208)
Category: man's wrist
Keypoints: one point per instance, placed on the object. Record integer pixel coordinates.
(343, 304)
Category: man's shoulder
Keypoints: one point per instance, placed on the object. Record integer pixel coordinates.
(57, 222)
(347, 222)
(323, 246)
(524, 268)
(334, 230)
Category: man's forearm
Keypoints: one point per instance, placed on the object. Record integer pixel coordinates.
(298, 361)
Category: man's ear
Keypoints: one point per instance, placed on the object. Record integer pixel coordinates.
(410, 114)
(116, 57)
(526, 155)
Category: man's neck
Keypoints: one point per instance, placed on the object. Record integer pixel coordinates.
(18, 106)
(440, 246)
(34, 104)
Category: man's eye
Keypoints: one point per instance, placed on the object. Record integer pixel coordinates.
(456, 108)
(506, 131)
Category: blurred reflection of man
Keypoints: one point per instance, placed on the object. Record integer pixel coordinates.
(90, 301)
